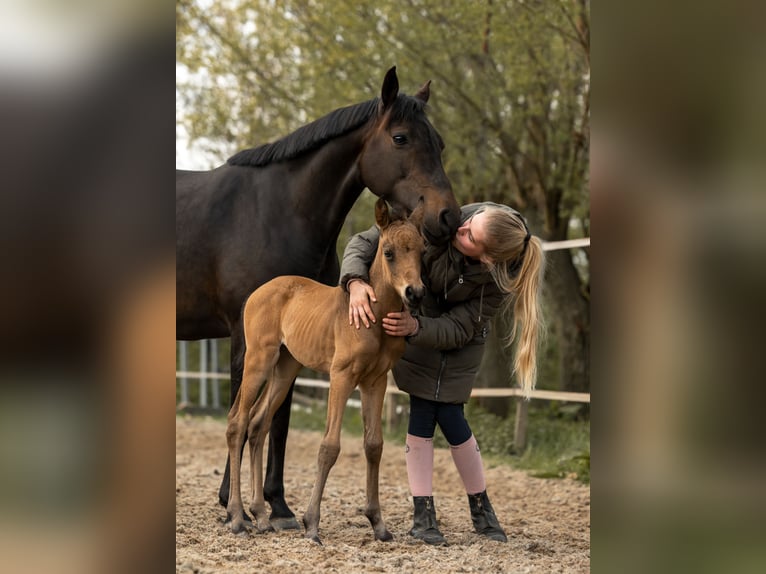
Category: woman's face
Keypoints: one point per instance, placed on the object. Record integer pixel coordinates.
(469, 238)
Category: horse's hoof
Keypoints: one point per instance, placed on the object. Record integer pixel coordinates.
(284, 523)
(315, 538)
(385, 537)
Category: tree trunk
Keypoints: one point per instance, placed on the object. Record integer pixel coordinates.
(570, 321)
(495, 370)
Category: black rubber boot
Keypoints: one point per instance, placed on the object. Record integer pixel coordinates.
(424, 523)
(483, 517)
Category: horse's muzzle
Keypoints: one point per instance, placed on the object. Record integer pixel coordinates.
(443, 228)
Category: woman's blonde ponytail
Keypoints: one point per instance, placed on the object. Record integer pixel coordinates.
(520, 275)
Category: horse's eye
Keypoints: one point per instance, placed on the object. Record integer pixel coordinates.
(400, 139)
(388, 254)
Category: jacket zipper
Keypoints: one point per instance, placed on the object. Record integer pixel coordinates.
(439, 377)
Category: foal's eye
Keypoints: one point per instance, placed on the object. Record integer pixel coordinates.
(388, 254)
(400, 139)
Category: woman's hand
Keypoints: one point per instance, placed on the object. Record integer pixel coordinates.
(359, 303)
(400, 324)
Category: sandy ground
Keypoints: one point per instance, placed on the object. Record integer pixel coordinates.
(547, 520)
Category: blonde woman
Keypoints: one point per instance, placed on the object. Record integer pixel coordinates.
(492, 265)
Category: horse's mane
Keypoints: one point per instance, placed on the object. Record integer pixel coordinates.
(317, 133)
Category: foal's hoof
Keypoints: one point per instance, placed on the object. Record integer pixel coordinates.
(314, 538)
(263, 526)
(246, 518)
(238, 527)
(385, 537)
(284, 523)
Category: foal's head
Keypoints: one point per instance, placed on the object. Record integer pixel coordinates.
(400, 251)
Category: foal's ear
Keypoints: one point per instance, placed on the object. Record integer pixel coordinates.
(424, 92)
(390, 88)
(382, 216)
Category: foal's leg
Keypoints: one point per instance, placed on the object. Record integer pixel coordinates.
(372, 409)
(341, 386)
(280, 383)
(256, 436)
(239, 417)
(235, 439)
(237, 361)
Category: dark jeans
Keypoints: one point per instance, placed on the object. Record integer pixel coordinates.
(425, 415)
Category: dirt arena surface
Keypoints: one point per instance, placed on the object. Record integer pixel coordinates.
(547, 520)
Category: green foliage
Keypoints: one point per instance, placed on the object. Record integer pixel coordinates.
(314, 418)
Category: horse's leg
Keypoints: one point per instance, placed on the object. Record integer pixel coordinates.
(282, 518)
(372, 409)
(237, 365)
(235, 439)
(280, 383)
(341, 386)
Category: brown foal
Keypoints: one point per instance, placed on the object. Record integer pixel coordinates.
(292, 322)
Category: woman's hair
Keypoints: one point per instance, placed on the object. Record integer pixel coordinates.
(518, 263)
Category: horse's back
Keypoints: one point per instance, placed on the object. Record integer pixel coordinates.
(216, 265)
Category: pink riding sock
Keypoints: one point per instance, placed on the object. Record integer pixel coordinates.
(419, 454)
(467, 458)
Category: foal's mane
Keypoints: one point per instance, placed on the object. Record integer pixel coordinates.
(317, 133)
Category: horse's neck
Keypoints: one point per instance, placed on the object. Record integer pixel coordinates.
(332, 181)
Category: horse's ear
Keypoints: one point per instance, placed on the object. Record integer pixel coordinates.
(416, 218)
(382, 216)
(424, 92)
(390, 88)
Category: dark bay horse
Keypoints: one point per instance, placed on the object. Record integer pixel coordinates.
(278, 209)
(291, 322)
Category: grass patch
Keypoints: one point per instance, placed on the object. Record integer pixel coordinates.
(558, 440)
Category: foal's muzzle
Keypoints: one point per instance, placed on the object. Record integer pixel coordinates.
(413, 296)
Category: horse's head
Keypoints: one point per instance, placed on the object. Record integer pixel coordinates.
(400, 250)
(402, 160)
